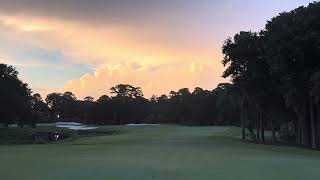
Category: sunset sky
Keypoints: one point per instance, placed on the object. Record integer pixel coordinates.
(88, 46)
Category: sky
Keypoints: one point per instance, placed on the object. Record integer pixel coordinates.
(88, 46)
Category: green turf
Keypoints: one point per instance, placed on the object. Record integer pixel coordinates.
(158, 152)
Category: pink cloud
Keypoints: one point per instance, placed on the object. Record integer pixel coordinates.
(157, 81)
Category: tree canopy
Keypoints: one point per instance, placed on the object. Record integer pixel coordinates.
(277, 73)
(15, 97)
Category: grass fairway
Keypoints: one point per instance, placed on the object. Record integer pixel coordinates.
(158, 152)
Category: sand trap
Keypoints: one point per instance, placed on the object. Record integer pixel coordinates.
(69, 123)
(74, 126)
(131, 124)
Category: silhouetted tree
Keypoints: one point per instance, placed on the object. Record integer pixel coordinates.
(40, 110)
(15, 98)
(89, 99)
(276, 72)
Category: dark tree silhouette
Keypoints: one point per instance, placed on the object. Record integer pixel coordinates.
(15, 98)
(277, 74)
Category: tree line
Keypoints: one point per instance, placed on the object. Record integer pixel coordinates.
(277, 74)
(126, 104)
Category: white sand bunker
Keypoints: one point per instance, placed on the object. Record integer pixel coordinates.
(74, 126)
(132, 124)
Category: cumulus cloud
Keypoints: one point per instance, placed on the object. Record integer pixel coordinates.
(159, 80)
(159, 45)
(123, 42)
(158, 62)
(91, 45)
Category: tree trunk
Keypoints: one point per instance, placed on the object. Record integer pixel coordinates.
(242, 116)
(287, 139)
(115, 117)
(305, 123)
(313, 125)
(262, 131)
(262, 128)
(318, 120)
(302, 133)
(258, 127)
(298, 136)
(274, 138)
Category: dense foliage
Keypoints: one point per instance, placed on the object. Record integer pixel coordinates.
(277, 72)
(128, 105)
(15, 98)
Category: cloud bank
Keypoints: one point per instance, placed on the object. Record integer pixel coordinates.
(88, 46)
(153, 79)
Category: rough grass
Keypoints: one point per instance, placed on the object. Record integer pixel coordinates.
(16, 135)
(158, 152)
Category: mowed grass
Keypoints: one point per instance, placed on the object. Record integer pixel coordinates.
(158, 152)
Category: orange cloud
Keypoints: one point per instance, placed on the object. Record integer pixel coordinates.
(153, 79)
(153, 58)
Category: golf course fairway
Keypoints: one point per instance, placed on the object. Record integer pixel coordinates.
(164, 152)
